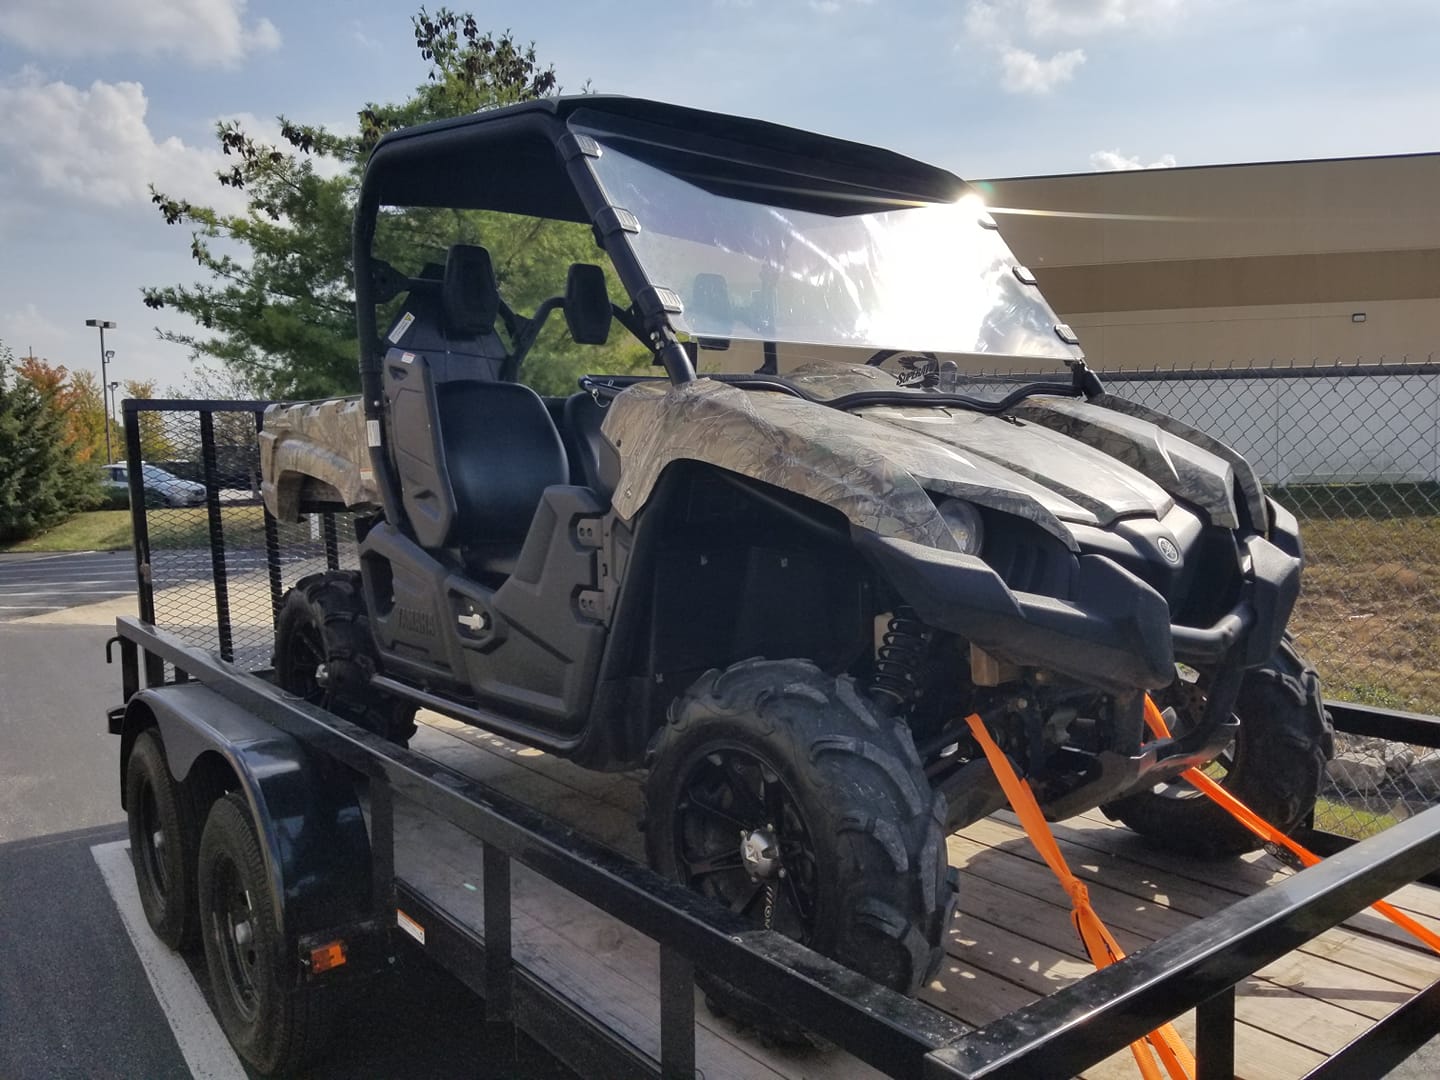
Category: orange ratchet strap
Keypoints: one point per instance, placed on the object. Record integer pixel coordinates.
(1102, 947)
(1267, 832)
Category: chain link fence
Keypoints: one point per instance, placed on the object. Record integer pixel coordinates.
(218, 563)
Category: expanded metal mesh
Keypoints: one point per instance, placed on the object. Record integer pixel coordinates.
(219, 564)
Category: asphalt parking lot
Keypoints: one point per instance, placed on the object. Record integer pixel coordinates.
(85, 988)
(41, 582)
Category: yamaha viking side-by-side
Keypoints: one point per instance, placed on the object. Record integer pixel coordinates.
(781, 593)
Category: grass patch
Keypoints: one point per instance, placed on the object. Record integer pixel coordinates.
(189, 527)
(170, 528)
(1368, 616)
(1375, 500)
(97, 530)
(1354, 822)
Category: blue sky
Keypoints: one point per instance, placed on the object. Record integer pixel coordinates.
(101, 97)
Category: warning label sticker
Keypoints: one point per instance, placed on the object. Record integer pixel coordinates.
(400, 328)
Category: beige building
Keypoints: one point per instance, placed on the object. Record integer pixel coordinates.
(1233, 264)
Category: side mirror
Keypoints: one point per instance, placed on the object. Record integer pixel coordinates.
(587, 304)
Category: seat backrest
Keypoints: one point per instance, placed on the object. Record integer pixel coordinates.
(501, 451)
(449, 317)
(598, 461)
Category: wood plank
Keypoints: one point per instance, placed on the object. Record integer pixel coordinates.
(598, 962)
(1144, 883)
(1249, 872)
(1043, 970)
(595, 961)
(621, 790)
(1314, 1022)
(1362, 992)
(1012, 942)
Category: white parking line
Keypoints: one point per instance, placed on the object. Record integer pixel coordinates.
(202, 1043)
(66, 595)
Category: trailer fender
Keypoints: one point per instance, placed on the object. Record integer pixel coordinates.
(306, 813)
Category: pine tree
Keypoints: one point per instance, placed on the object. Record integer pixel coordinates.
(41, 481)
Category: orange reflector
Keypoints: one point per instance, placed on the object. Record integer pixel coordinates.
(327, 956)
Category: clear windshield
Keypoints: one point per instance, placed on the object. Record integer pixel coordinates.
(926, 277)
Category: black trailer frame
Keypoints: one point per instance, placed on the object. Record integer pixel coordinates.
(1197, 967)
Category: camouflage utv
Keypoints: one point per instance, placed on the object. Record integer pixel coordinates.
(781, 590)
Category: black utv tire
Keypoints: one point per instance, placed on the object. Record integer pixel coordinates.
(324, 654)
(1276, 768)
(781, 748)
(276, 1024)
(164, 838)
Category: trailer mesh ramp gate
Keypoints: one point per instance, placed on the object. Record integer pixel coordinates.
(1267, 972)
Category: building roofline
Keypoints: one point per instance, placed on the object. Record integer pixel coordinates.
(1218, 165)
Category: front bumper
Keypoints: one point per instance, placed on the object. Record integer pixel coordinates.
(1114, 632)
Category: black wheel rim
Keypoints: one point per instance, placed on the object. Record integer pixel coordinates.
(152, 842)
(731, 795)
(234, 929)
(301, 664)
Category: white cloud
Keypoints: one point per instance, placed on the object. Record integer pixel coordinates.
(1026, 36)
(1081, 18)
(201, 32)
(94, 146)
(1026, 73)
(1114, 161)
(28, 329)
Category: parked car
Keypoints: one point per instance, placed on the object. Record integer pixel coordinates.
(161, 488)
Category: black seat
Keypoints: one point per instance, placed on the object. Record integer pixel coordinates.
(501, 451)
(449, 317)
(589, 449)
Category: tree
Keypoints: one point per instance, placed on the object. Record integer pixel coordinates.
(41, 482)
(78, 399)
(279, 302)
(156, 443)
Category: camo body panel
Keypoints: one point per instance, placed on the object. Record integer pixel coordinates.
(1182, 467)
(1244, 474)
(316, 450)
(878, 475)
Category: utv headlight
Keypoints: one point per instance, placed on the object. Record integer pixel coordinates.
(964, 523)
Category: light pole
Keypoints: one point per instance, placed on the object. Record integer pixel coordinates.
(112, 387)
(102, 325)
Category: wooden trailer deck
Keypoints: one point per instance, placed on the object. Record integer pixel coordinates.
(1011, 942)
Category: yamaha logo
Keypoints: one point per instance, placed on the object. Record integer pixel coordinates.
(1169, 550)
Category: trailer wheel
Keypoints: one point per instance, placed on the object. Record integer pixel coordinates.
(776, 790)
(276, 1024)
(1275, 766)
(324, 654)
(164, 837)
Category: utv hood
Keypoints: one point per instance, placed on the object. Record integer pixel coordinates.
(1052, 461)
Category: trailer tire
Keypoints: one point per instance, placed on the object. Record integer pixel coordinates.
(164, 826)
(1278, 764)
(795, 763)
(276, 1024)
(324, 654)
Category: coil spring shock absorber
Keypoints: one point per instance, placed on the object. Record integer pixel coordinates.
(897, 660)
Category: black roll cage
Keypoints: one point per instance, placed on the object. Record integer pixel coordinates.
(535, 158)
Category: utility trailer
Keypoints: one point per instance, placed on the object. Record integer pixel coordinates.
(316, 906)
